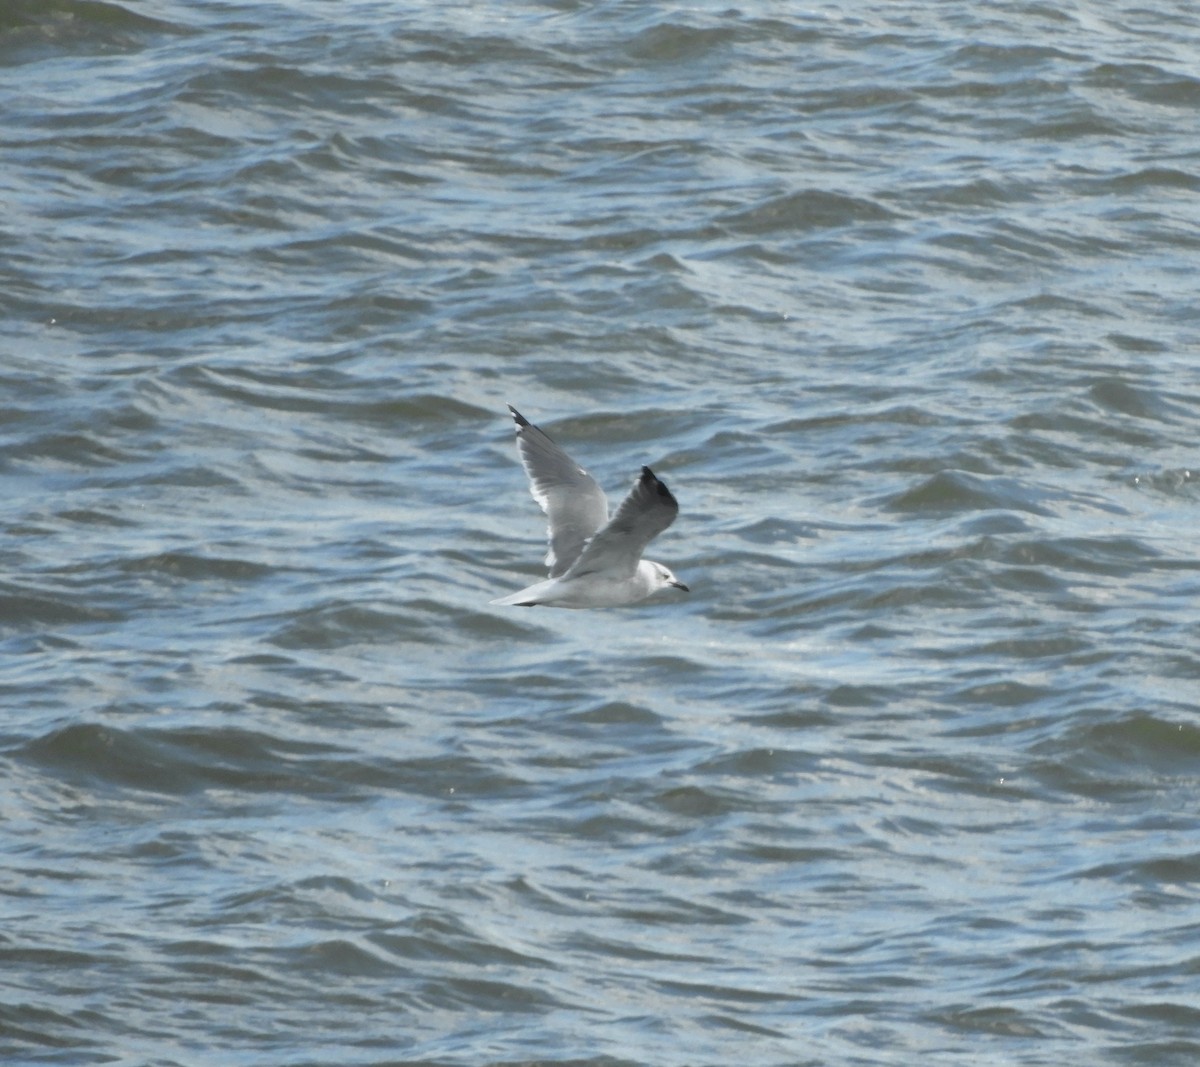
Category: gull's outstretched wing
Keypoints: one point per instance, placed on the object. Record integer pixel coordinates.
(643, 515)
(574, 504)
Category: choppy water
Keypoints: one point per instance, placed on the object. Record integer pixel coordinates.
(900, 300)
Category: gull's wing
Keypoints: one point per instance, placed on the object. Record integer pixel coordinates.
(574, 504)
(643, 515)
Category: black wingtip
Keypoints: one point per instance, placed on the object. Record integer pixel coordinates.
(518, 418)
(650, 479)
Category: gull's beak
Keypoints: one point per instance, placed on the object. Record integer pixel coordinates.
(679, 585)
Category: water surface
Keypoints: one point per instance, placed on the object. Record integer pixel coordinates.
(899, 302)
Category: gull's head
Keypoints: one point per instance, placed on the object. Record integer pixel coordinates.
(663, 577)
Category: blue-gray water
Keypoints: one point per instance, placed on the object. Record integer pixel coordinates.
(901, 301)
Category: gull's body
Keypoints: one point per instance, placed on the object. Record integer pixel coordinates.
(594, 562)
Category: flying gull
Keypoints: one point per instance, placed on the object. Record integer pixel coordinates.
(594, 562)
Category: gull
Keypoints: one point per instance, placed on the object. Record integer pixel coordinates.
(594, 562)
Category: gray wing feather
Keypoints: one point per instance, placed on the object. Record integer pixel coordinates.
(575, 505)
(643, 515)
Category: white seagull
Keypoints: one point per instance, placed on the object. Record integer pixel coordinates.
(594, 562)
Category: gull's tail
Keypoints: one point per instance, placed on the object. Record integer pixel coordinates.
(523, 599)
